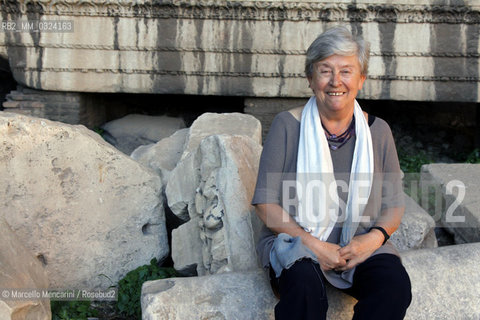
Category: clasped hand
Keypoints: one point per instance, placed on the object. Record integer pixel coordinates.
(334, 257)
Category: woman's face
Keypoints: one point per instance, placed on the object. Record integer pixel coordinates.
(336, 81)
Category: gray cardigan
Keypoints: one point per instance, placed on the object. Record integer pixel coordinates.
(278, 163)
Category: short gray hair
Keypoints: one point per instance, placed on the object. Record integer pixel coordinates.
(337, 40)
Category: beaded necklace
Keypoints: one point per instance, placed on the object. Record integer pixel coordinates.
(341, 139)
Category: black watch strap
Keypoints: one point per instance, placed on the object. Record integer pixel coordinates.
(385, 234)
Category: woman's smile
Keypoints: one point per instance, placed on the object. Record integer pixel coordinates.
(336, 81)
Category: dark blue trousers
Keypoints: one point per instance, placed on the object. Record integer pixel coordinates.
(380, 284)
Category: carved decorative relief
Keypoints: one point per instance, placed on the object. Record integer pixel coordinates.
(241, 74)
(211, 210)
(250, 10)
(253, 51)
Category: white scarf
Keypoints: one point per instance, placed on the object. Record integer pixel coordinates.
(318, 212)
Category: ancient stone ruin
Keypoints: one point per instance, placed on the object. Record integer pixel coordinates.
(79, 211)
(427, 51)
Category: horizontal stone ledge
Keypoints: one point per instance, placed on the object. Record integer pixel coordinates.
(231, 50)
(365, 10)
(23, 104)
(444, 286)
(238, 74)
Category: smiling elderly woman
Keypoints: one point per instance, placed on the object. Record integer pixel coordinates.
(329, 193)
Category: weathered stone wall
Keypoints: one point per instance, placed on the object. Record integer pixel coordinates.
(67, 107)
(421, 50)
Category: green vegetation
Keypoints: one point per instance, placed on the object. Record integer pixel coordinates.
(474, 156)
(130, 287)
(99, 130)
(72, 310)
(129, 292)
(410, 163)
